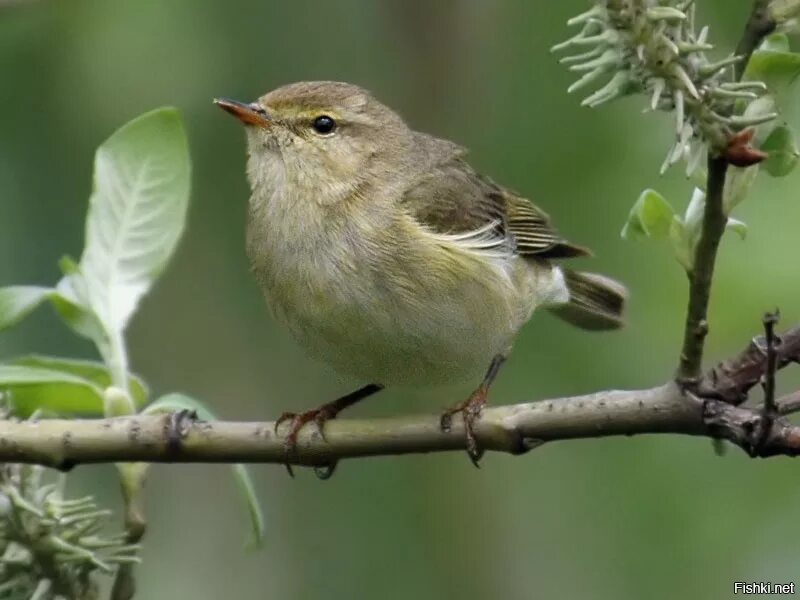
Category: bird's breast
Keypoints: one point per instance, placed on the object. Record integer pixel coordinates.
(367, 296)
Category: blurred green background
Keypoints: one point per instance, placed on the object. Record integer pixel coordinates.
(656, 517)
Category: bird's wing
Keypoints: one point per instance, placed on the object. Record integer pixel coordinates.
(532, 231)
(465, 208)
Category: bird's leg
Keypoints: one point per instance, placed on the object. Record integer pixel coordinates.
(319, 416)
(470, 409)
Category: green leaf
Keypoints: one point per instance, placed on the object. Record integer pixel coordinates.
(35, 388)
(632, 230)
(68, 265)
(738, 183)
(693, 217)
(71, 303)
(783, 152)
(778, 68)
(80, 319)
(91, 371)
(738, 227)
(760, 107)
(136, 213)
(777, 42)
(170, 403)
(651, 216)
(681, 243)
(16, 302)
(244, 483)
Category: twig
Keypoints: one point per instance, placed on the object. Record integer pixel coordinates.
(702, 273)
(731, 380)
(789, 404)
(514, 429)
(769, 410)
(770, 320)
(759, 24)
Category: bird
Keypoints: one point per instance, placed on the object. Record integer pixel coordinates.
(388, 257)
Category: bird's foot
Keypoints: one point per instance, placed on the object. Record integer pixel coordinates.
(297, 420)
(319, 416)
(470, 410)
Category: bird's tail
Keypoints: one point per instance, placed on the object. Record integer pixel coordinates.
(595, 302)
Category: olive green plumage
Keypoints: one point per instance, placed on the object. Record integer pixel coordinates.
(385, 254)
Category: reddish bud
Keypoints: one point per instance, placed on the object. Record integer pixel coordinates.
(740, 153)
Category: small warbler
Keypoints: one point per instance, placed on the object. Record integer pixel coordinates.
(388, 257)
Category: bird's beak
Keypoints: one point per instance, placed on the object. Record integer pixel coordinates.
(249, 114)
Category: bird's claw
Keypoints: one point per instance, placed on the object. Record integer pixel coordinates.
(470, 411)
(297, 421)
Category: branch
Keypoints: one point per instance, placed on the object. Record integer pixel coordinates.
(732, 379)
(760, 24)
(514, 429)
(702, 273)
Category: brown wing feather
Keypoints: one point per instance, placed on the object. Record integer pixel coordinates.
(534, 233)
(451, 198)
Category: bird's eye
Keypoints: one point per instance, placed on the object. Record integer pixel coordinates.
(324, 125)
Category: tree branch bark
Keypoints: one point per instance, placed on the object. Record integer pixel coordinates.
(760, 24)
(513, 429)
(702, 273)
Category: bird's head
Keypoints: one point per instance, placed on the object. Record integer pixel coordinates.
(325, 138)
